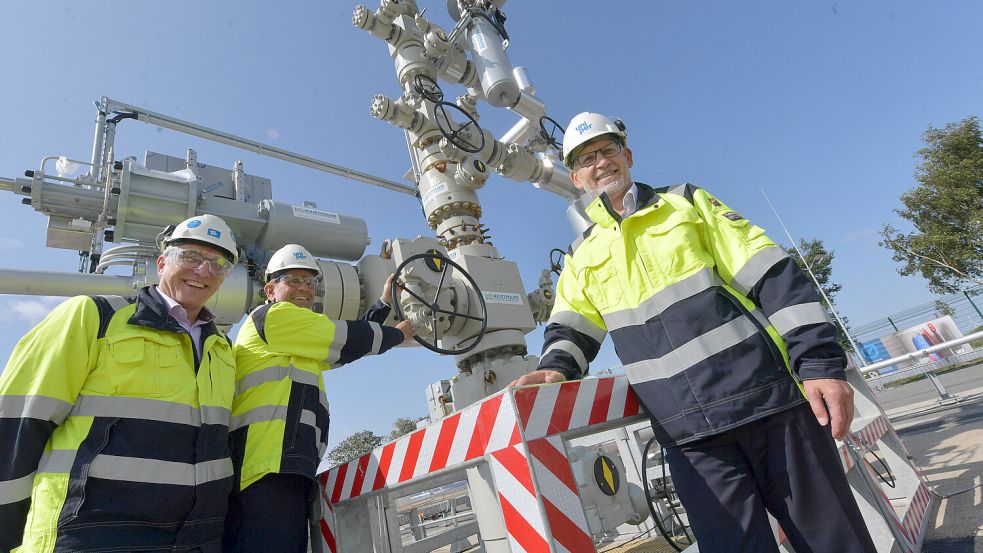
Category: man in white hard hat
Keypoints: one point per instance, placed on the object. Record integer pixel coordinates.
(280, 417)
(114, 413)
(725, 344)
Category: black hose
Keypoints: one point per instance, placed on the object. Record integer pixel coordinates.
(649, 499)
(555, 266)
(120, 116)
(886, 476)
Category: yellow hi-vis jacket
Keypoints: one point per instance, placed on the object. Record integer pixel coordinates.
(114, 432)
(280, 414)
(706, 313)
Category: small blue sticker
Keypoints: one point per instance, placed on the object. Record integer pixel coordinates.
(215, 233)
(300, 255)
(194, 224)
(583, 127)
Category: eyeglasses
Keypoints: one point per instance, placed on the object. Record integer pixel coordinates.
(190, 259)
(590, 158)
(295, 281)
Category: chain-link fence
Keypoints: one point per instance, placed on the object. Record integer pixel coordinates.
(965, 308)
(922, 326)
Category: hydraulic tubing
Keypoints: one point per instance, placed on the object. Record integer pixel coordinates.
(186, 127)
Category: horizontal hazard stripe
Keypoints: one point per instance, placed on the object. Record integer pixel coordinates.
(754, 269)
(340, 338)
(680, 323)
(149, 409)
(275, 374)
(18, 489)
(376, 337)
(662, 300)
(698, 349)
(265, 413)
(795, 316)
(57, 460)
(579, 323)
(34, 407)
(572, 349)
(310, 419)
(361, 338)
(153, 471)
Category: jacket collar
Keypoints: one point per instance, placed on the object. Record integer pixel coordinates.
(152, 312)
(601, 212)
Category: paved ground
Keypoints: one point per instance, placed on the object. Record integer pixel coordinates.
(947, 441)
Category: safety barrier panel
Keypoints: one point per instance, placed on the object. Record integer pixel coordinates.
(518, 437)
(894, 496)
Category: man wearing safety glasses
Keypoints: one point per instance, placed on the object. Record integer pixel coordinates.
(726, 347)
(280, 415)
(114, 413)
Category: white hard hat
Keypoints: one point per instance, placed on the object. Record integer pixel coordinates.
(204, 229)
(291, 256)
(587, 126)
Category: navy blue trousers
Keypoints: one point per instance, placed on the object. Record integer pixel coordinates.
(785, 464)
(270, 516)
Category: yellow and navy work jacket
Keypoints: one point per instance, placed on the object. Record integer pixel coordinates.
(705, 312)
(280, 414)
(114, 431)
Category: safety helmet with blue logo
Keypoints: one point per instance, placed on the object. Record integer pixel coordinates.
(291, 256)
(585, 127)
(203, 229)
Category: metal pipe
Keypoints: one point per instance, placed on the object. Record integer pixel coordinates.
(200, 131)
(518, 132)
(98, 138)
(9, 185)
(922, 352)
(50, 283)
(556, 179)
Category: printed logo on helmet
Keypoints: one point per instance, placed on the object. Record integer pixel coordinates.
(194, 224)
(214, 232)
(583, 127)
(299, 255)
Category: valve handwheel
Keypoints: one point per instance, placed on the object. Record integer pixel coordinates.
(454, 136)
(441, 263)
(551, 132)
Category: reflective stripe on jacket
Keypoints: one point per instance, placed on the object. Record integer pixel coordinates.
(280, 413)
(706, 313)
(115, 436)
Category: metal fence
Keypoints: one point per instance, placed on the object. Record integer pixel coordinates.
(877, 382)
(966, 309)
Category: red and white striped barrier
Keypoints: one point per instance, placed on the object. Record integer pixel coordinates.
(515, 431)
(909, 529)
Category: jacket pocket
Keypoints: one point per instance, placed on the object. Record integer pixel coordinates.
(603, 287)
(78, 481)
(140, 367)
(676, 244)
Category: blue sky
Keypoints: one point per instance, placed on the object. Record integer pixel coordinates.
(820, 104)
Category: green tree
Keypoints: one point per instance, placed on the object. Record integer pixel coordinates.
(942, 309)
(354, 446)
(402, 426)
(818, 260)
(945, 211)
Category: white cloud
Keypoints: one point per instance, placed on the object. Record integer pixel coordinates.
(10, 244)
(29, 311)
(859, 235)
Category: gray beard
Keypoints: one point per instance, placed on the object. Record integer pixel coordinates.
(618, 186)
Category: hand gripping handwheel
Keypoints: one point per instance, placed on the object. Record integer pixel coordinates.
(433, 309)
